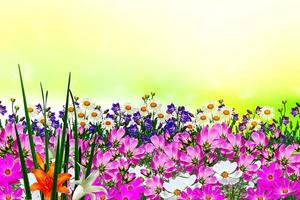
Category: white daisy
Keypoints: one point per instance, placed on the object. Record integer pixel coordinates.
(153, 106)
(210, 106)
(32, 111)
(71, 112)
(143, 110)
(108, 123)
(226, 112)
(202, 118)
(267, 113)
(94, 116)
(81, 114)
(254, 124)
(83, 123)
(175, 186)
(128, 108)
(189, 126)
(217, 117)
(41, 121)
(227, 173)
(86, 103)
(161, 116)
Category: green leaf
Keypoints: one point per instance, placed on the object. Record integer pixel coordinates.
(56, 172)
(28, 123)
(90, 161)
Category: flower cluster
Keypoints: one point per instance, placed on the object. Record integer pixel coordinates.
(150, 151)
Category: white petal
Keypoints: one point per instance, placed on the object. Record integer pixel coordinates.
(166, 195)
(78, 193)
(236, 174)
(93, 189)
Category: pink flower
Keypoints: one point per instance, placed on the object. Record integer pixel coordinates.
(189, 194)
(130, 150)
(284, 188)
(10, 171)
(260, 140)
(192, 157)
(159, 142)
(154, 186)
(205, 175)
(268, 175)
(210, 192)
(259, 193)
(163, 165)
(7, 192)
(103, 162)
(115, 136)
(247, 166)
(171, 150)
(132, 190)
(286, 158)
(208, 138)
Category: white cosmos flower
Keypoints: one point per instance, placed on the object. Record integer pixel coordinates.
(175, 186)
(267, 113)
(254, 124)
(210, 106)
(85, 186)
(227, 173)
(108, 123)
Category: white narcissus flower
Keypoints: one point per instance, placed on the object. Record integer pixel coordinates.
(175, 186)
(226, 172)
(85, 186)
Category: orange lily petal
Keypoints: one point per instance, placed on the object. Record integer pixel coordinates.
(40, 176)
(63, 177)
(63, 189)
(51, 170)
(40, 161)
(36, 186)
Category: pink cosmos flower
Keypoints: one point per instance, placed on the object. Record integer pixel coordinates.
(115, 136)
(10, 171)
(159, 142)
(268, 175)
(130, 150)
(188, 194)
(103, 162)
(210, 192)
(205, 175)
(154, 186)
(260, 140)
(7, 192)
(171, 150)
(191, 158)
(208, 138)
(232, 145)
(183, 137)
(132, 190)
(259, 193)
(286, 158)
(284, 188)
(247, 166)
(163, 165)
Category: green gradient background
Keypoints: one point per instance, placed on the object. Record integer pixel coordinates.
(188, 52)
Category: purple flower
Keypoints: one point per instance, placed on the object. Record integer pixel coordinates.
(295, 111)
(170, 127)
(136, 116)
(258, 109)
(115, 107)
(2, 109)
(272, 127)
(285, 120)
(170, 108)
(148, 123)
(185, 116)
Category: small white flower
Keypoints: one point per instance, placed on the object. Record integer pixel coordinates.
(128, 108)
(94, 116)
(32, 111)
(153, 106)
(86, 103)
(217, 117)
(267, 113)
(254, 124)
(41, 121)
(108, 123)
(202, 118)
(143, 110)
(210, 106)
(189, 126)
(161, 116)
(226, 112)
(227, 173)
(175, 186)
(81, 114)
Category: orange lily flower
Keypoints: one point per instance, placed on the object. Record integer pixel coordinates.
(45, 180)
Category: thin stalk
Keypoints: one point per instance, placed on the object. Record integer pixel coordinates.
(45, 127)
(55, 176)
(90, 161)
(28, 124)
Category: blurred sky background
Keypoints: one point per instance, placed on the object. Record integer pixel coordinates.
(188, 52)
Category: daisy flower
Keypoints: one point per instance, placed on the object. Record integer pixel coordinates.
(32, 111)
(210, 106)
(161, 116)
(128, 108)
(202, 118)
(267, 113)
(226, 112)
(153, 106)
(86, 103)
(81, 114)
(217, 117)
(94, 116)
(227, 173)
(143, 110)
(108, 123)
(254, 124)
(41, 121)
(189, 126)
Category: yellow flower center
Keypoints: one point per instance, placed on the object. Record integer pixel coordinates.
(160, 115)
(153, 104)
(87, 103)
(177, 192)
(225, 174)
(30, 110)
(216, 118)
(42, 121)
(103, 197)
(81, 115)
(203, 117)
(143, 108)
(107, 123)
(207, 197)
(267, 112)
(260, 198)
(94, 114)
(7, 172)
(128, 107)
(254, 123)
(270, 177)
(210, 106)
(285, 191)
(71, 109)
(189, 126)
(8, 197)
(226, 112)
(82, 123)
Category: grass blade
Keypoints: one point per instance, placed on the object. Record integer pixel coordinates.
(56, 169)
(45, 127)
(75, 131)
(90, 161)
(28, 124)
(23, 165)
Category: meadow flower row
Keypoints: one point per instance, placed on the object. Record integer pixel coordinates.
(155, 152)
(147, 151)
